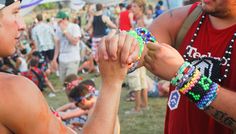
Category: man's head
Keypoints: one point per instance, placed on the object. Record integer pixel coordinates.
(70, 82)
(34, 63)
(83, 94)
(99, 7)
(122, 5)
(138, 6)
(11, 25)
(39, 17)
(219, 8)
(149, 10)
(62, 16)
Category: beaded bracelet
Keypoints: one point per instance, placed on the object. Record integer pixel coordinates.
(143, 36)
(140, 42)
(197, 87)
(179, 74)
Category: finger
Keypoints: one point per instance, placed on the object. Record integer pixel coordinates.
(101, 52)
(151, 53)
(152, 46)
(148, 60)
(122, 36)
(126, 49)
(110, 45)
(133, 46)
(147, 66)
(109, 36)
(103, 49)
(111, 48)
(134, 54)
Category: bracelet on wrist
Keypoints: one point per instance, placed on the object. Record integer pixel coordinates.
(142, 35)
(198, 88)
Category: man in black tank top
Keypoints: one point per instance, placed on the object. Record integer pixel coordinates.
(99, 23)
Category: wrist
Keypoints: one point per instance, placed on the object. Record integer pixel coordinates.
(107, 85)
(200, 89)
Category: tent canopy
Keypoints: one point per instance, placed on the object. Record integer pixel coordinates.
(28, 5)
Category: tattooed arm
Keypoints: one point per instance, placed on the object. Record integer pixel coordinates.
(223, 108)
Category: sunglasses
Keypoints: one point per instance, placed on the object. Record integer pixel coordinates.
(79, 99)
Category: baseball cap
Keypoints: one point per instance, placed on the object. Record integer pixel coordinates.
(4, 3)
(62, 15)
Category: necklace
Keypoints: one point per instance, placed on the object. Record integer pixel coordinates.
(215, 64)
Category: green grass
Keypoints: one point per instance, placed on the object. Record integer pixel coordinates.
(150, 122)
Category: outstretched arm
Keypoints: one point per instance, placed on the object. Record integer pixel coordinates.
(164, 61)
(103, 118)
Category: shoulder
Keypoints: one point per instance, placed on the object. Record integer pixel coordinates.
(16, 89)
(170, 21)
(23, 103)
(13, 81)
(105, 18)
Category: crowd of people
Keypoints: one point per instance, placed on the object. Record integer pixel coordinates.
(196, 62)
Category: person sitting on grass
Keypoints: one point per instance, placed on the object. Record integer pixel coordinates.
(38, 77)
(70, 113)
(84, 97)
(70, 82)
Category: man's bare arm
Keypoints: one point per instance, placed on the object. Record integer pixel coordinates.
(26, 110)
(223, 108)
(72, 40)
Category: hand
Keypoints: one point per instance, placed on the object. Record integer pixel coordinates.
(162, 60)
(121, 43)
(111, 70)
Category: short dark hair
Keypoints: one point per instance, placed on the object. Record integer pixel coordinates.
(39, 17)
(99, 7)
(160, 2)
(69, 78)
(37, 54)
(34, 63)
(122, 5)
(82, 89)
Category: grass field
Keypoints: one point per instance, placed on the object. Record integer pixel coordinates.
(150, 122)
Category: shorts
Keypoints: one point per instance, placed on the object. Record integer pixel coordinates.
(94, 45)
(48, 55)
(67, 68)
(137, 80)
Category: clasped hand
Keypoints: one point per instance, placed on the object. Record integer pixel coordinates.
(117, 50)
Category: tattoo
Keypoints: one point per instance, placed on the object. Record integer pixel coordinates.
(222, 117)
(209, 108)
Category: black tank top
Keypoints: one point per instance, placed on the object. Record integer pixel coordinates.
(99, 27)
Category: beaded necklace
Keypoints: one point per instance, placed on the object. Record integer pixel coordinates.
(217, 63)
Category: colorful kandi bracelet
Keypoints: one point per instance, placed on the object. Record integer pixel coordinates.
(143, 36)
